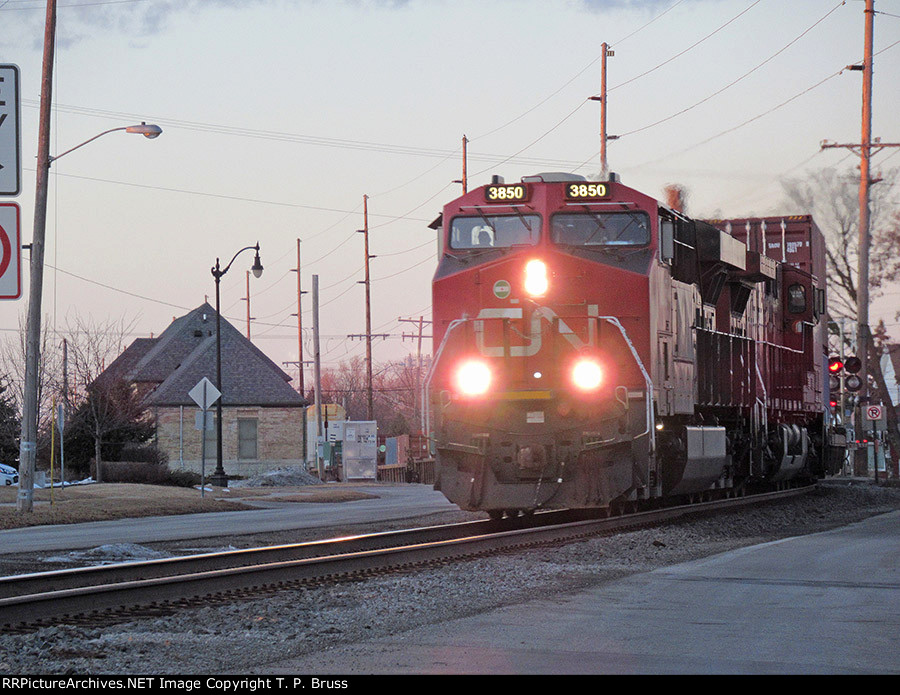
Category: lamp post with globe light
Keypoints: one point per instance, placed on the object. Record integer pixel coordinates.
(219, 478)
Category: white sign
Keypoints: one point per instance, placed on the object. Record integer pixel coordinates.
(204, 393)
(10, 136)
(204, 421)
(10, 251)
(874, 412)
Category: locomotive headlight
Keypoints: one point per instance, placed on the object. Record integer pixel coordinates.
(473, 378)
(587, 375)
(537, 281)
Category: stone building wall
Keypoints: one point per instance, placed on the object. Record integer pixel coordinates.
(279, 437)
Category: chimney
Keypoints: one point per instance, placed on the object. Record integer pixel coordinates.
(676, 197)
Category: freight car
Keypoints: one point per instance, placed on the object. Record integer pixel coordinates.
(594, 347)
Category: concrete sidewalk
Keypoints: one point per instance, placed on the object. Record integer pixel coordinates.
(824, 603)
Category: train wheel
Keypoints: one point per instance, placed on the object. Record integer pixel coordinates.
(495, 514)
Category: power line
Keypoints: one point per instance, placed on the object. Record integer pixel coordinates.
(737, 80)
(686, 50)
(576, 76)
(745, 123)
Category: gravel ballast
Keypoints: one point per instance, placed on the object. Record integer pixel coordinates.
(245, 635)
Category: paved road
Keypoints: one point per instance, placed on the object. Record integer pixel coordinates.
(819, 604)
(392, 503)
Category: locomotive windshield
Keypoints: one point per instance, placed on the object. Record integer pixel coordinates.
(494, 231)
(601, 229)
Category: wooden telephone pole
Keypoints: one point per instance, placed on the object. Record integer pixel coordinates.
(865, 149)
(604, 137)
(419, 399)
(365, 232)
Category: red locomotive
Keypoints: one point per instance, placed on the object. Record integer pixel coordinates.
(593, 346)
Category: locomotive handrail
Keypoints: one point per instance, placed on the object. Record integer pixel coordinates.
(651, 430)
(426, 402)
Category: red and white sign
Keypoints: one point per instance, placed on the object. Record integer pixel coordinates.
(874, 412)
(10, 252)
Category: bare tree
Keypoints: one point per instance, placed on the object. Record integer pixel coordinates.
(12, 361)
(345, 385)
(91, 345)
(831, 196)
(107, 403)
(394, 387)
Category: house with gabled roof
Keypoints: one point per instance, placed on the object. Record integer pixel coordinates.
(262, 418)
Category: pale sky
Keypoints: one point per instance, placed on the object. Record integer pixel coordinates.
(280, 115)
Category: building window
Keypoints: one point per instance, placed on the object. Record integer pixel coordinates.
(247, 443)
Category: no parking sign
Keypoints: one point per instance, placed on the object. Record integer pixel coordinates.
(10, 252)
(874, 412)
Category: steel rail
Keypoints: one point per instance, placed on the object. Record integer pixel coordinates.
(60, 580)
(57, 604)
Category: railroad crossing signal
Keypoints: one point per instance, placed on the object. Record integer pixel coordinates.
(852, 382)
(849, 367)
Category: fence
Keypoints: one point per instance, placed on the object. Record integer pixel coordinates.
(420, 471)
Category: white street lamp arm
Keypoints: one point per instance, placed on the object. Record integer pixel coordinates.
(148, 131)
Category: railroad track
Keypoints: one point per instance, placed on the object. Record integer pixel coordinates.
(113, 593)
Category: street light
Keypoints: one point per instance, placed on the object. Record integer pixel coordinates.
(148, 131)
(28, 440)
(219, 478)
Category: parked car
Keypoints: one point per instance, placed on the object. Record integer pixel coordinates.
(8, 475)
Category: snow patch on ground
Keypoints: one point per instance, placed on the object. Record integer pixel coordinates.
(292, 476)
(110, 554)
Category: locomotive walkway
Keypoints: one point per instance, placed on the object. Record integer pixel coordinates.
(820, 604)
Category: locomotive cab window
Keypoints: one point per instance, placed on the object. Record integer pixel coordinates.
(797, 299)
(601, 229)
(494, 231)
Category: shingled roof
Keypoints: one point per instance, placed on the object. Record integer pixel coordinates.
(185, 352)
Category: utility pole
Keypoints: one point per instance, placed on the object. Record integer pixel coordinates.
(320, 466)
(28, 440)
(63, 413)
(419, 406)
(465, 163)
(301, 387)
(604, 137)
(65, 372)
(365, 232)
(865, 150)
(464, 181)
(247, 299)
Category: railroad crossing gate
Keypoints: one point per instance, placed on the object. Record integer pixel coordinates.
(10, 252)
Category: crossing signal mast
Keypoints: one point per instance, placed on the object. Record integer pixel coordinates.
(844, 381)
